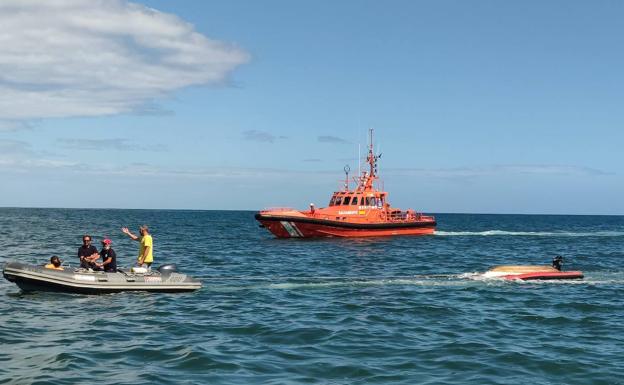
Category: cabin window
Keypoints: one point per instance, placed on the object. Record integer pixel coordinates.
(362, 201)
(368, 201)
(331, 202)
(338, 201)
(346, 201)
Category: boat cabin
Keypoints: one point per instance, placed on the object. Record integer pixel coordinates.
(350, 198)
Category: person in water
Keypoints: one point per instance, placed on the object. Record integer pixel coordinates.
(109, 257)
(88, 254)
(557, 262)
(55, 263)
(146, 248)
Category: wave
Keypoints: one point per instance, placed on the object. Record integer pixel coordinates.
(290, 283)
(364, 283)
(532, 233)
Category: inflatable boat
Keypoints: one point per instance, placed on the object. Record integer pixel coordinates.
(531, 272)
(83, 281)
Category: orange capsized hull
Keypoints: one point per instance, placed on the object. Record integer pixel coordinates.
(301, 226)
(531, 272)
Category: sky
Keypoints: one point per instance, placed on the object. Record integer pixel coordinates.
(477, 106)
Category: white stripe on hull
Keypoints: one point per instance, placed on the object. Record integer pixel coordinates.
(292, 229)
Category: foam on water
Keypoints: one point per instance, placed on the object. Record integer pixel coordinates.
(407, 281)
(450, 280)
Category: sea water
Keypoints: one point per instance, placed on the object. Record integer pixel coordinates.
(401, 310)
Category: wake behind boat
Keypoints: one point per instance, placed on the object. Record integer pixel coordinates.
(38, 278)
(361, 212)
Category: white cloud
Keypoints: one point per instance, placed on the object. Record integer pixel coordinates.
(331, 139)
(115, 144)
(19, 156)
(261, 136)
(64, 58)
(14, 125)
(15, 147)
(499, 170)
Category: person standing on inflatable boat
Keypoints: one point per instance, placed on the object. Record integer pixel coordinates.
(146, 248)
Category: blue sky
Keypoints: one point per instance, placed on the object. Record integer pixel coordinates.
(481, 106)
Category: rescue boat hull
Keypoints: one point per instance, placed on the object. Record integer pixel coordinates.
(301, 227)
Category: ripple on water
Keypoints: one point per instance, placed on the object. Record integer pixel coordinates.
(396, 310)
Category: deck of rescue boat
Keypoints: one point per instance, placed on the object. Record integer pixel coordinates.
(349, 215)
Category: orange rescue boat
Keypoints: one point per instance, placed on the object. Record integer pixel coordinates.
(361, 212)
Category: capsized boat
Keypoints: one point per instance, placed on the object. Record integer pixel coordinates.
(70, 280)
(360, 212)
(529, 272)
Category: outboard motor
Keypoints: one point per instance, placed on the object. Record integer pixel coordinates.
(557, 262)
(168, 268)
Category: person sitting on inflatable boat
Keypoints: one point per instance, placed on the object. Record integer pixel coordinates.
(88, 254)
(55, 263)
(109, 257)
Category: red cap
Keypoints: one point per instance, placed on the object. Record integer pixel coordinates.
(107, 241)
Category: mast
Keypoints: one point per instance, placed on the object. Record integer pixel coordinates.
(371, 154)
(372, 162)
(365, 179)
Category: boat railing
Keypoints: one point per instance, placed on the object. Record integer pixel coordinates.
(406, 216)
(278, 209)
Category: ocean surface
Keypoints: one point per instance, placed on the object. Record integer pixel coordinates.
(402, 310)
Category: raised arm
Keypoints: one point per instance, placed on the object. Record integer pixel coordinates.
(128, 233)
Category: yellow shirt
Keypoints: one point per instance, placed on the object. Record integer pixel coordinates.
(146, 241)
(51, 266)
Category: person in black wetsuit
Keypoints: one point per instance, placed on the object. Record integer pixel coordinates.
(109, 257)
(88, 254)
(557, 262)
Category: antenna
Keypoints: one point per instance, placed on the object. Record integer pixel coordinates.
(377, 157)
(346, 170)
(359, 161)
(371, 155)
